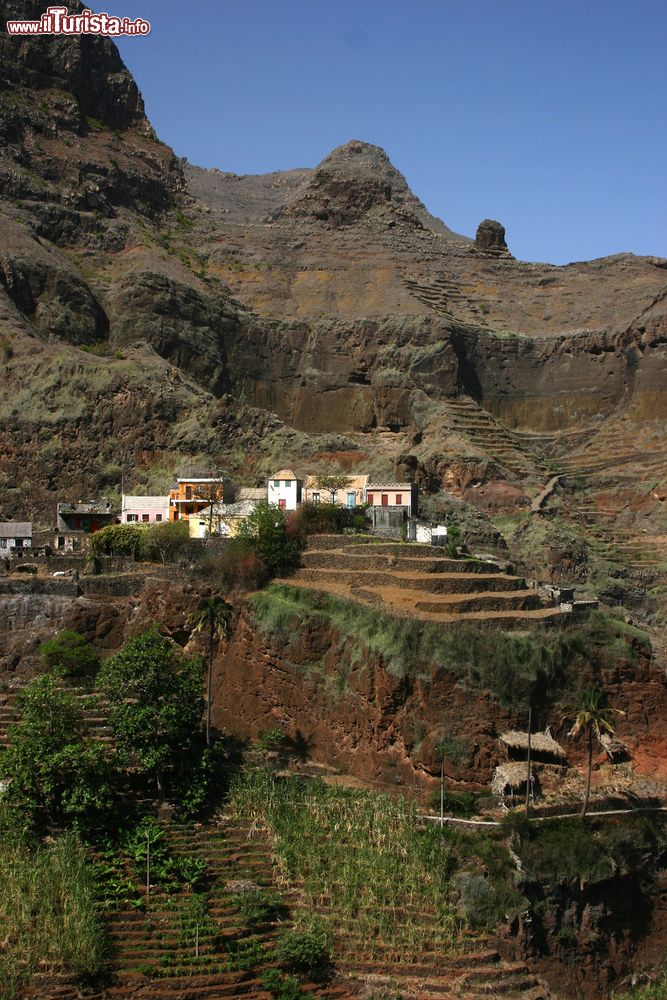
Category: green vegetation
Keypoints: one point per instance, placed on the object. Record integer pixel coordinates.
(325, 518)
(555, 850)
(70, 652)
(549, 661)
(212, 615)
(48, 916)
(57, 774)
(166, 543)
(304, 950)
(362, 859)
(95, 124)
(592, 715)
(656, 990)
(267, 528)
(155, 705)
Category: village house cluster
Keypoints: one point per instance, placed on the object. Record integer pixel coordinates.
(211, 506)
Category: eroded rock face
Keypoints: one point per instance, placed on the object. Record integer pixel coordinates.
(490, 238)
(86, 66)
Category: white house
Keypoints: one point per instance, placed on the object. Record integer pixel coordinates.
(284, 490)
(144, 510)
(15, 538)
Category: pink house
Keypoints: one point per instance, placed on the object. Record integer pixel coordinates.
(393, 495)
(144, 510)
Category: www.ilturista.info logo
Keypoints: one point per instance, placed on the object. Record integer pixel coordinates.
(58, 21)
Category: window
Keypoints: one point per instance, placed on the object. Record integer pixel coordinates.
(276, 484)
(370, 498)
(334, 496)
(3, 543)
(399, 499)
(385, 499)
(158, 517)
(145, 517)
(316, 498)
(131, 518)
(19, 543)
(351, 499)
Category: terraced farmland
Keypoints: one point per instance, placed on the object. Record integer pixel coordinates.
(420, 581)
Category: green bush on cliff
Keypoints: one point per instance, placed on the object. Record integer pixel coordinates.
(481, 656)
(71, 652)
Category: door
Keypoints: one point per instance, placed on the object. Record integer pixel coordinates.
(351, 499)
(385, 500)
(282, 503)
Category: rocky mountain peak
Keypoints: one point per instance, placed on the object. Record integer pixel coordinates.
(357, 182)
(88, 67)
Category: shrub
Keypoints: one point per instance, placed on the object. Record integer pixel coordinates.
(236, 566)
(117, 540)
(325, 518)
(303, 951)
(283, 987)
(71, 652)
(266, 527)
(165, 543)
(457, 803)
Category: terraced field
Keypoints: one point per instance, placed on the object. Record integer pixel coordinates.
(95, 711)
(362, 869)
(190, 946)
(420, 581)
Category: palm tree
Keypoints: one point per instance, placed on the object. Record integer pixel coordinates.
(593, 717)
(212, 613)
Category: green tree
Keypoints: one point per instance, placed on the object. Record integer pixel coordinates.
(57, 774)
(116, 540)
(166, 541)
(155, 703)
(71, 652)
(211, 615)
(592, 715)
(267, 527)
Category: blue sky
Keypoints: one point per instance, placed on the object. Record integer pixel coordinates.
(549, 115)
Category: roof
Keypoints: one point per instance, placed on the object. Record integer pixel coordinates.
(134, 501)
(353, 482)
(15, 529)
(201, 479)
(390, 486)
(543, 742)
(284, 474)
(612, 745)
(90, 507)
(512, 774)
(251, 493)
(240, 508)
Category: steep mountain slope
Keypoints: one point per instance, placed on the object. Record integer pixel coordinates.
(156, 315)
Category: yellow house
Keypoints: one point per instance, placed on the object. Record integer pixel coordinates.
(223, 521)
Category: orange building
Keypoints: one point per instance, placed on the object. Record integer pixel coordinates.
(193, 494)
